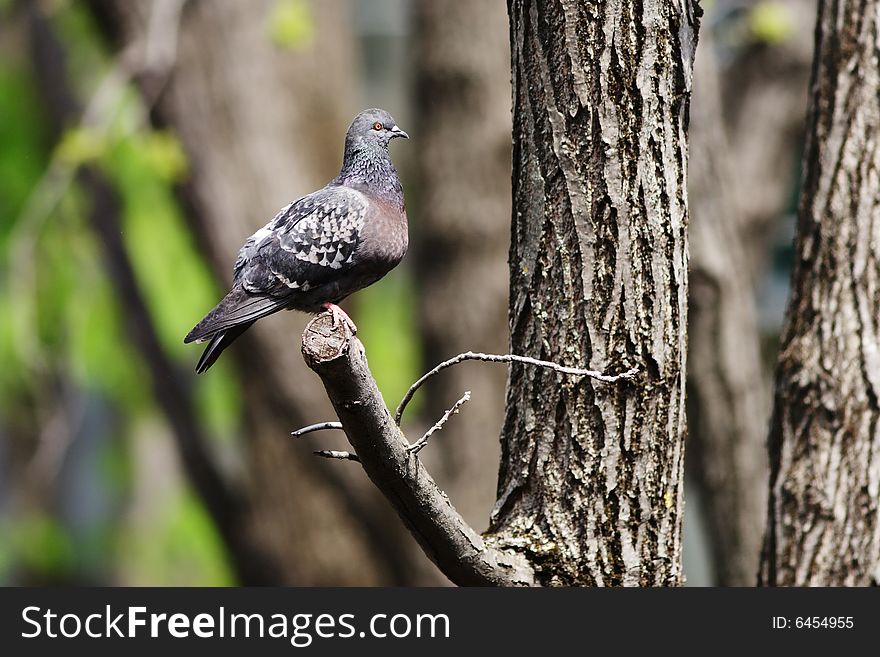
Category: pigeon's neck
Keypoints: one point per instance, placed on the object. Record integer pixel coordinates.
(371, 169)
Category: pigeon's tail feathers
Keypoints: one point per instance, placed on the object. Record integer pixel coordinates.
(236, 308)
(218, 343)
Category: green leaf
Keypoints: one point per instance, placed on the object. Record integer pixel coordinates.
(291, 24)
(170, 269)
(386, 326)
(79, 146)
(218, 400)
(771, 23)
(165, 156)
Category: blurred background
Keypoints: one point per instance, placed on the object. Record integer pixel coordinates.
(142, 142)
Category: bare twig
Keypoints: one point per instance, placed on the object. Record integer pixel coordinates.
(320, 426)
(336, 454)
(420, 444)
(509, 358)
(459, 551)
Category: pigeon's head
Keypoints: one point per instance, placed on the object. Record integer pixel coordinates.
(371, 128)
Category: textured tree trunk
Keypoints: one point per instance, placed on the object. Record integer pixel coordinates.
(590, 483)
(261, 128)
(823, 526)
(461, 238)
(728, 389)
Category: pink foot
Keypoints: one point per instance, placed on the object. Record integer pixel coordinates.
(339, 315)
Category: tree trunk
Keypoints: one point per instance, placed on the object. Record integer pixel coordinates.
(590, 484)
(261, 128)
(823, 526)
(728, 390)
(461, 238)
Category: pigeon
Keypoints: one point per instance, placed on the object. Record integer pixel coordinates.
(322, 247)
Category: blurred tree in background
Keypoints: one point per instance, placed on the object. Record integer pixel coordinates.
(745, 134)
(77, 405)
(153, 137)
(462, 233)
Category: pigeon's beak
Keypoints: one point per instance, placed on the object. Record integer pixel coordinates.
(397, 132)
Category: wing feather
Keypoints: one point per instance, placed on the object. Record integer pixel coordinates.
(305, 245)
(237, 307)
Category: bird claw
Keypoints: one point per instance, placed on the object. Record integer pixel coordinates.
(339, 315)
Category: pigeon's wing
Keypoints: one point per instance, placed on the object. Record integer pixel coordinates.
(237, 308)
(309, 243)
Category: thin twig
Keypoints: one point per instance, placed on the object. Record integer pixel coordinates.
(335, 454)
(509, 358)
(320, 426)
(420, 444)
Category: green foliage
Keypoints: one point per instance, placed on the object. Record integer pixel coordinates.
(175, 545)
(37, 543)
(771, 22)
(164, 155)
(22, 156)
(291, 24)
(81, 145)
(172, 274)
(386, 325)
(61, 318)
(218, 401)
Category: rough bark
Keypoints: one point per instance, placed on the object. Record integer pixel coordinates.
(460, 240)
(728, 388)
(823, 524)
(590, 483)
(261, 129)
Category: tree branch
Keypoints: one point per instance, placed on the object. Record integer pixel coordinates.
(420, 444)
(320, 426)
(509, 358)
(462, 554)
(336, 454)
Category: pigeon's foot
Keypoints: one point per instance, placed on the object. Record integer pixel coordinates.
(339, 315)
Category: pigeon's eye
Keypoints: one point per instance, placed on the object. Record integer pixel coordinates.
(377, 126)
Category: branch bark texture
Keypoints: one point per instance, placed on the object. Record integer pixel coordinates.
(462, 554)
(590, 485)
(823, 527)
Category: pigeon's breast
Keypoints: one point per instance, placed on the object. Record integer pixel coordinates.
(385, 237)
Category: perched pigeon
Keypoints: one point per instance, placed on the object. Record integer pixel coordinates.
(322, 247)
